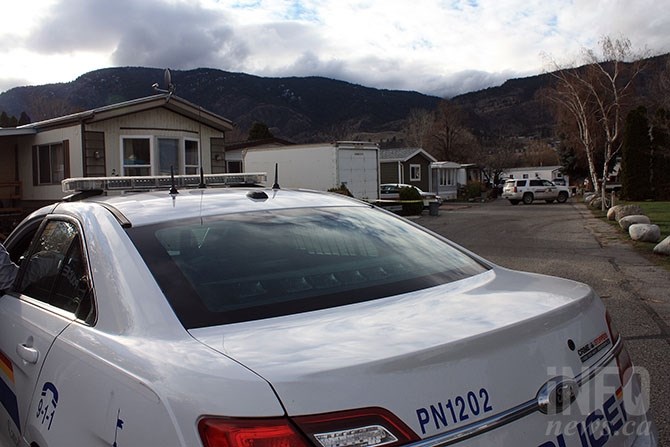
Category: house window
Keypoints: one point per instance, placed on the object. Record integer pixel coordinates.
(51, 163)
(168, 156)
(136, 156)
(159, 156)
(191, 157)
(446, 177)
(234, 167)
(415, 173)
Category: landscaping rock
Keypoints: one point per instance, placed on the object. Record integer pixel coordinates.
(595, 202)
(626, 221)
(663, 247)
(627, 210)
(644, 232)
(611, 213)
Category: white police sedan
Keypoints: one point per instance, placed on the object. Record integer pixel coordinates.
(265, 317)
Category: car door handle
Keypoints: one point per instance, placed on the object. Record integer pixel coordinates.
(28, 353)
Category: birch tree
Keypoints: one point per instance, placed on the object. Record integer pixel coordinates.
(595, 95)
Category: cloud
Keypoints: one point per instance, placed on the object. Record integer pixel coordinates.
(9, 83)
(433, 46)
(150, 32)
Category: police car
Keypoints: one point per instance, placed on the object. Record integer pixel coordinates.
(254, 316)
(528, 190)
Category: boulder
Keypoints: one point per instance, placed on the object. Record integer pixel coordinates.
(663, 247)
(627, 210)
(596, 202)
(611, 213)
(644, 232)
(626, 221)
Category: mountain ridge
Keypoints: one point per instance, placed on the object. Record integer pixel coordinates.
(308, 109)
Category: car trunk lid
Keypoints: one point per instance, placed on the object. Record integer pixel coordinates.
(438, 359)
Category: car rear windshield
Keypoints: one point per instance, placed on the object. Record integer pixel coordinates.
(255, 265)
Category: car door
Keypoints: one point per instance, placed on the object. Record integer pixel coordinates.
(43, 301)
(538, 189)
(550, 189)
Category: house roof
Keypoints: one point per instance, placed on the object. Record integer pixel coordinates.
(13, 131)
(447, 165)
(403, 154)
(534, 168)
(166, 100)
(264, 142)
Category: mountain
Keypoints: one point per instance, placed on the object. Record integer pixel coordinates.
(312, 109)
(519, 108)
(299, 109)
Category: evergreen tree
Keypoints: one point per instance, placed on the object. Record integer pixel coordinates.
(24, 119)
(660, 146)
(4, 119)
(259, 131)
(636, 156)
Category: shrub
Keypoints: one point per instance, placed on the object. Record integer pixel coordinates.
(342, 189)
(473, 190)
(415, 207)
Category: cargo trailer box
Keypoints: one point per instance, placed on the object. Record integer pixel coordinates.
(320, 166)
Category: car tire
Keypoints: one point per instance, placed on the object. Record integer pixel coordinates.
(528, 198)
(514, 202)
(562, 197)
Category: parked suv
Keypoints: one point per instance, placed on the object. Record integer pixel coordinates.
(527, 190)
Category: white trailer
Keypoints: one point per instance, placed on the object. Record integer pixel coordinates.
(323, 166)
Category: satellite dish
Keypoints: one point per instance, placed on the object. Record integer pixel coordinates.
(168, 79)
(169, 86)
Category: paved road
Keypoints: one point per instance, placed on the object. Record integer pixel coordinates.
(566, 240)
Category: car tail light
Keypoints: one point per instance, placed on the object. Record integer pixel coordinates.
(361, 428)
(623, 360)
(368, 427)
(224, 432)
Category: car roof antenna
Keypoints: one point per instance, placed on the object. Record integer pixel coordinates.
(276, 184)
(173, 188)
(202, 180)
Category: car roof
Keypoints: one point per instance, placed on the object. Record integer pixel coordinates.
(148, 208)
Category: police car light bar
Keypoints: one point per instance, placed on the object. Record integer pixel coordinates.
(149, 183)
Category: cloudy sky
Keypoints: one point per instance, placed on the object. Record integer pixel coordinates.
(438, 47)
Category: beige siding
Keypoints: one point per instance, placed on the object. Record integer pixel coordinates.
(49, 192)
(218, 155)
(155, 123)
(94, 154)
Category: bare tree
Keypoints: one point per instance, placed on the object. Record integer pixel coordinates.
(496, 156)
(539, 153)
(418, 128)
(447, 130)
(595, 96)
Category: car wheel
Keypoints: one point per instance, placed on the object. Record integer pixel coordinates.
(514, 202)
(528, 198)
(562, 197)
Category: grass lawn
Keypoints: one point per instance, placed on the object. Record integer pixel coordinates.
(659, 214)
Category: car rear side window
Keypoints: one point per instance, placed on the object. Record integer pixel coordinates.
(56, 271)
(263, 264)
